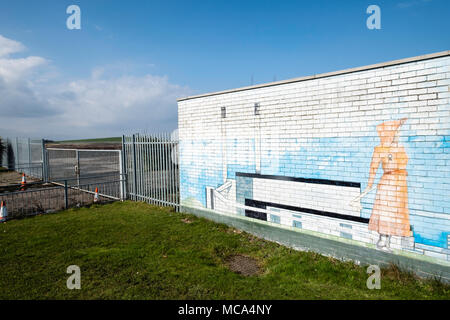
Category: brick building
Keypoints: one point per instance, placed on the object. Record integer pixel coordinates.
(359, 158)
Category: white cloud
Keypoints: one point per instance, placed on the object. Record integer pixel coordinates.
(8, 46)
(32, 104)
(17, 94)
(123, 102)
(13, 70)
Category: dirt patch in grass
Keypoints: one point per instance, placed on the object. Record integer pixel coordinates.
(244, 265)
(186, 220)
(393, 272)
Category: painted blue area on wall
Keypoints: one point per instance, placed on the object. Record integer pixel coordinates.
(431, 242)
(244, 190)
(445, 142)
(233, 168)
(196, 172)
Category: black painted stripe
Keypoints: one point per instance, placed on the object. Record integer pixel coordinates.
(255, 214)
(264, 205)
(212, 198)
(297, 179)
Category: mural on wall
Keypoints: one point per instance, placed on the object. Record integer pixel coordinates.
(350, 156)
(390, 214)
(327, 205)
(379, 215)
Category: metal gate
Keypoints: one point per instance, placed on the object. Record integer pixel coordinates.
(81, 164)
(82, 167)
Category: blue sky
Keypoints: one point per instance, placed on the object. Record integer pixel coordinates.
(131, 59)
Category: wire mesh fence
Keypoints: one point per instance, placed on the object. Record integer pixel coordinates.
(41, 198)
(61, 164)
(151, 166)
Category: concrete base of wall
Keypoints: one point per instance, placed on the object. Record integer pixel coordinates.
(343, 249)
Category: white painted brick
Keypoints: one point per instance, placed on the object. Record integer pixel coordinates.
(428, 96)
(408, 74)
(297, 115)
(437, 76)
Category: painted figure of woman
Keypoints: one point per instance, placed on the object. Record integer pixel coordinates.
(390, 215)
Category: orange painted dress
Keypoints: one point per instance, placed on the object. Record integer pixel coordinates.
(390, 214)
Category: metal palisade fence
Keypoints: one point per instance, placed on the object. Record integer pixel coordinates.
(151, 166)
(24, 155)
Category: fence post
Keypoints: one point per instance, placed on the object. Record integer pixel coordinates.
(4, 152)
(134, 168)
(66, 198)
(44, 161)
(77, 166)
(177, 172)
(121, 175)
(8, 153)
(16, 156)
(123, 170)
(29, 157)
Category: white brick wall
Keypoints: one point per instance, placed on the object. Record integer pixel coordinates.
(307, 195)
(310, 128)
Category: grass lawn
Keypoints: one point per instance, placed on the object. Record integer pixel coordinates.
(136, 251)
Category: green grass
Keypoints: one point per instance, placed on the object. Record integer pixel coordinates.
(95, 140)
(136, 251)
